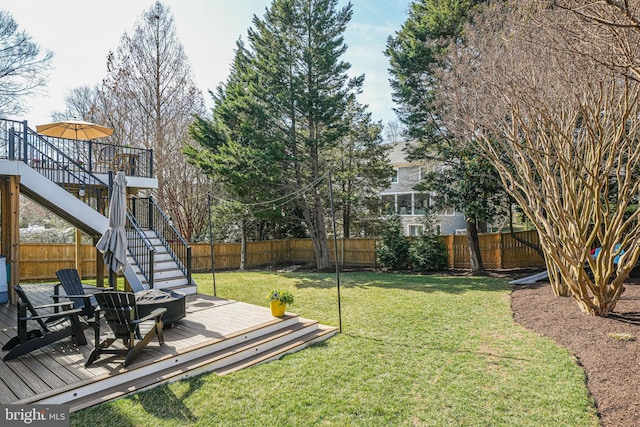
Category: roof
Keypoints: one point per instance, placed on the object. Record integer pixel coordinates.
(397, 155)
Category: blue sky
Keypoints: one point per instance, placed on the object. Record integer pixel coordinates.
(82, 32)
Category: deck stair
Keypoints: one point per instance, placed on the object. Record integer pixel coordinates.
(268, 341)
(167, 274)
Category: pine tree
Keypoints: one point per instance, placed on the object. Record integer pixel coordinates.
(304, 83)
(415, 52)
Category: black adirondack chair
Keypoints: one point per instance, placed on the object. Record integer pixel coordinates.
(52, 327)
(80, 294)
(120, 312)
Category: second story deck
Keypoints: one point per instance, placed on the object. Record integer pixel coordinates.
(55, 157)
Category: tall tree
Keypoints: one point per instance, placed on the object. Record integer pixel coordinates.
(23, 66)
(361, 168)
(81, 102)
(232, 148)
(413, 53)
(151, 98)
(303, 85)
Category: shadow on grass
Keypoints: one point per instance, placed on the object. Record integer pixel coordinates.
(163, 404)
(413, 282)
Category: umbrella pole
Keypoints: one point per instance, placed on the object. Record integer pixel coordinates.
(112, 278)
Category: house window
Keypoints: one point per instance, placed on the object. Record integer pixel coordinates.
(437, 228)
(416, 230)
(447, 211)
(394, 178)
(404, 204)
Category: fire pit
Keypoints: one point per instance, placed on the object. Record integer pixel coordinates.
(149, 300)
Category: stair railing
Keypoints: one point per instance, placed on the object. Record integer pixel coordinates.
(151, 216)
(25, 145)
(140, 248)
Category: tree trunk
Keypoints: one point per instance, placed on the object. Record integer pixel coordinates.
(474, 245)
(320, 244)
(243, 245)
(346, 221)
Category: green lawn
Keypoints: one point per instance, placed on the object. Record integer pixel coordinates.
(414, 350)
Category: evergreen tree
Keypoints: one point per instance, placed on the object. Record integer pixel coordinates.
(393, 250)
(361, 168)
(234, 150)
(304, 83)
(414, 53)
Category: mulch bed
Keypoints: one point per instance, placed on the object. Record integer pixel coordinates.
(611, 364)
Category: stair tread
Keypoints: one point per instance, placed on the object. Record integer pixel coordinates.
(173, 372)
(277, 351)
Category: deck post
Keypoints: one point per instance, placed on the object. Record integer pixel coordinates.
(78, 251)
(10, 206)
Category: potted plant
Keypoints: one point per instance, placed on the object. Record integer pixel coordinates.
(279, 300)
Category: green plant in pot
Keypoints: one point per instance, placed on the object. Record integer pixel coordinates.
(279, 300)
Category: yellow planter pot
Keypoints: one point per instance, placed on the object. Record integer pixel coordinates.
(278, 308)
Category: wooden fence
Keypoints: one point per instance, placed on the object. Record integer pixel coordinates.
(498, 251)
(40, 261)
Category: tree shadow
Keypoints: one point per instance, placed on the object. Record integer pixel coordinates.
(632, 318)
(429, 283)
(162, 402)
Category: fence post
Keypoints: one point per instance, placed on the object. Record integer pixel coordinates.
(501, 249)
(449, 243)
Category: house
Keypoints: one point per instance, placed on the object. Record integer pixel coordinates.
(402, 198)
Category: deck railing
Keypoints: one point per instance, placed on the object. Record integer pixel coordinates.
(18, 142)
(90, 156)
(151, 216)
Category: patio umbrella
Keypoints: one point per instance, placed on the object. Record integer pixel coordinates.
(74, 129)
(113, 243)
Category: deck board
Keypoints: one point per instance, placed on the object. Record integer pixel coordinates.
(58, 368)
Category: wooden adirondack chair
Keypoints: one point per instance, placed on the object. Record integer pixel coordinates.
(29, 340)
(120, 312)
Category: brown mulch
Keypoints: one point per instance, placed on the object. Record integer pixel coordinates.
(611, 364)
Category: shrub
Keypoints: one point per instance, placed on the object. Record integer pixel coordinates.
(428, 253)
(393, 251)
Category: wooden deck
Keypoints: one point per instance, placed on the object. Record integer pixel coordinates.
(216, 335)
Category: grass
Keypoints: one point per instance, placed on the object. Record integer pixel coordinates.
(621, 336)
(415, 350)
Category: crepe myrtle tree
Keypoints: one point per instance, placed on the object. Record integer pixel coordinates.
(562, 130)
